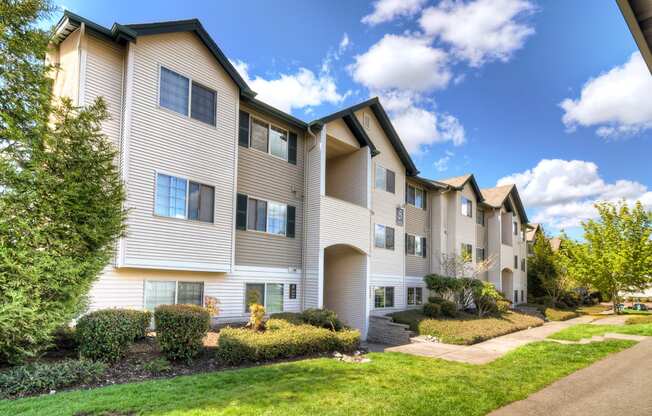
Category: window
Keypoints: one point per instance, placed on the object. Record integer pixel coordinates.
(172, 292)
(259, 135)
(278, 142)
(178, 94)
(270, 295)
(522, 296)
(385, 179)
(467, 251)
(530, 247)
(203, 105)
(523, 264)
(180, 198)
(265, 216)
(479, 218)
(467, 207)
(293, 291)
(416, 197)
(515, 262)
(480, 255)
(414, 295)
(384, 237)
(384, 297)
(415, 245)
(515, 227)
(516, 296)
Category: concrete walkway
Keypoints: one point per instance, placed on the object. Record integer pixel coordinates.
(487, 351)
(617, 385)
(612, 320)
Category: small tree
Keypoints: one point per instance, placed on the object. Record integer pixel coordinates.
(549, 269)
(616, 256)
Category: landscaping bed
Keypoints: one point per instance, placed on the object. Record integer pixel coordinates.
(466, 329)
(554, 314)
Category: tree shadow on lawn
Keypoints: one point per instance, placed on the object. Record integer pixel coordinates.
(392, 383)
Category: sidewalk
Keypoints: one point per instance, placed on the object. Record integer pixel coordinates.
(487, 351)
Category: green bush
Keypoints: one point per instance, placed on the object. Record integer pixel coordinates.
(291, 317)
(639, 320)
(432, 310)
(281, 339)
(42, 377)
(321, 318)
(157, 366)
(180, 330)
(559, 314)
(436, 299)
(442, 286)
(106, 334)
(448, 308)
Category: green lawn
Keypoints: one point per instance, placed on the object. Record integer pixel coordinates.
(635, 312)
(392, 384)
(577, 332)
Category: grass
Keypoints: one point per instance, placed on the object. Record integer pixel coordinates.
(635, 312)
(466, 329)
(635, 320)
(577, 332)
(554, 314)
(391, 384)
(593, 309)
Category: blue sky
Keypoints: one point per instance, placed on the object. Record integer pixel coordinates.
(473, 86)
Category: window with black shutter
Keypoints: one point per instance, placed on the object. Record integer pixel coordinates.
(292, 148)
(241, 212)
(391, 181)
(243, 131)
(291, 221)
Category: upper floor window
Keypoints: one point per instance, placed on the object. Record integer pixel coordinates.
(467, 251)
(416, 197)
(480, 255)
(180, 198)
(384, 237)
(523, 264)
(467, 207)
(479, 217)
(515, 262)
(415, 245)
(266, 137)
(515, 227)
(266, 216)
(179, 94)
(385, 179)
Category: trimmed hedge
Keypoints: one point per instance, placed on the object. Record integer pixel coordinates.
(559, 314)
(36, 378)
(180, 330)
(281, 339)
(432, 310)
(634, 320)
(321, 318)
(106, 334)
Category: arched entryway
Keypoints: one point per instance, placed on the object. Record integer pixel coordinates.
(345, 281)
(507, 283)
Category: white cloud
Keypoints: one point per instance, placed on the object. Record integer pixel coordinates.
(616, 102)
(417, 126)
(482, 30)
(344, 43)
(562, 192)
(403, 62)
(441, 164)
(387, 10)
(289, 91)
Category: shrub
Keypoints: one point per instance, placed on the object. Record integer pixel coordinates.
(256, 316)
(291, 317)
(486, 298)
(442, 286)
(64, 338)
(432, 310)
(639, 320)
(559, 315)
(42, 377)
(436, 299)
(281, 340)
(323, 318)
(503, 305)
(106, 334)
(448, 308)
(157, 366)
(180, 330)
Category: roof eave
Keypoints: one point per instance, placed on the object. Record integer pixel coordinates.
(636, 31)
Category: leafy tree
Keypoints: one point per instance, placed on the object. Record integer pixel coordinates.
(616, 256)
(60, 191)
(548, 269)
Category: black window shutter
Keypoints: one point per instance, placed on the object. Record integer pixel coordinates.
(406, 244)
(391, 181)
(292, 148)
(243, 135)
(424, 247)
(291, 225)
(241, 213)
(389, 238)
(424, 199)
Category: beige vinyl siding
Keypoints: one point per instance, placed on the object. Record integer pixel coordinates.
(384, 204)
(416, 223)
(66, 57)
(346, 177)
(344, 223)
(465, 227)
(178, 145)
(345, 273)
(104, 74)
(312, 206)
(340, 131)
(262, 175)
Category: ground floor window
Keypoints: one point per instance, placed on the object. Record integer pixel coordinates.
(270, 295)
(516, 296)
(414, 295)
(384, 297)
(173, 292)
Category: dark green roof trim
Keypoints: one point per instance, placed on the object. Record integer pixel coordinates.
(360, 135)
(429, 183)
(474, 185)
(269, 110)
(386, 125)
(127, 33)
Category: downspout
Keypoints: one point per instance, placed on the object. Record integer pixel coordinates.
(81, 67)
(304, 232)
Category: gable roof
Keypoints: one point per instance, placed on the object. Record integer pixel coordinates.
(532, 231)
(637, 14)
(496, 197)
(385, 124)
(458, 182)
(429, 184)
(69, 22)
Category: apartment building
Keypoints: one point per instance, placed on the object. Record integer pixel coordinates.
(233, 199)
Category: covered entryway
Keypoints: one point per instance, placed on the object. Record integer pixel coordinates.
(345, 281)
(507, 284)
